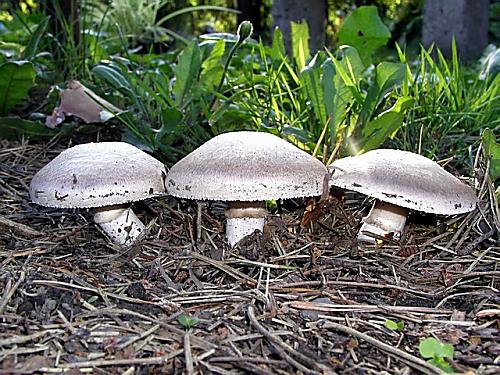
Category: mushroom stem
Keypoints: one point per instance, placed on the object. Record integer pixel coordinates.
(243, 218)
(384, 219)
(120, 224)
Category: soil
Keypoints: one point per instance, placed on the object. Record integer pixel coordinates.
(303, 297)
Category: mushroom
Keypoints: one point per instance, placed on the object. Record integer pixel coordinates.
(105, 176)
(400, 181)
(245, 169)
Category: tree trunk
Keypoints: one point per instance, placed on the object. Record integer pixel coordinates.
(314, 12)
(467, 20)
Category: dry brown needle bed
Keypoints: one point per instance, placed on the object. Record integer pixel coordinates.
(298, 299)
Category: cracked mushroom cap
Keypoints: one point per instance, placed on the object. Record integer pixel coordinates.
(404, 179)
(246, 166)
(97, 175)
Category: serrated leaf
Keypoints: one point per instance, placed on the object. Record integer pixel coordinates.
(186, 71)
(300, 43)
(277, 47)
(16, 78)
(364, 30)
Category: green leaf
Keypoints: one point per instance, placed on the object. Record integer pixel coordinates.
(364, 30)
(393, 326)
(429, 347)
(340, 78)
(387, 76)
(187, 321)
(310, 78)
(492, 152)
(278, 47)
(112, 75)
(433, 348)
(15, 128)
(385, 125)
(171, 118)
(441, 364)
(31, 48)
(16, 78)
(300, 43)
(447, 351)
(212, 67)
(92, 299)
(186, 71)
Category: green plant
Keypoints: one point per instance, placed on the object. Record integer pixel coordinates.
(140, 21)
(436, 353)
(187, 321)
(492, 154)
(394, 326)
(452, 106)
(16, 78)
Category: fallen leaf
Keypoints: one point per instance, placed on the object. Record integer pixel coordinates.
(81, 102)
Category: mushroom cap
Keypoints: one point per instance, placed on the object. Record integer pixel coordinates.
(98, 175)
(246, 166)
(404, 179)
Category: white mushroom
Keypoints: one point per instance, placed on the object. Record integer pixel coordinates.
(400, 180)
(106, 176)
(246, 169)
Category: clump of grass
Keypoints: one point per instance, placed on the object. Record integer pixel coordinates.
(452, 106)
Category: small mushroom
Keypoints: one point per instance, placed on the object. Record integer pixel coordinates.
(106, 176)
(400, 181)
(245, 169)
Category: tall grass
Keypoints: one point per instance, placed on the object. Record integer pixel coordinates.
(452, 106)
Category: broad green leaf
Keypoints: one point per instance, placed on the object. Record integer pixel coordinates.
(300, 43)
(31, 49)
(340, 77)
(112, 75)
(15, 128)
(212, 67)
(374, 133)
(16, 78)
(492, 152)
(310, 78)
(349, 71)
(387, 76)
(171, 118)
(277, 47)
(364, 30)
(186, 71)
(429, 347)
(446, 351)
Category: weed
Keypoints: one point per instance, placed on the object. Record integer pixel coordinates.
(436, 353)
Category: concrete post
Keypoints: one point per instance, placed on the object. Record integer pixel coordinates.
(467, 20)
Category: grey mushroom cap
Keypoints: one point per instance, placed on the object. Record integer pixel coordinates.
(246, 166)
(404, 179)
(98, 175)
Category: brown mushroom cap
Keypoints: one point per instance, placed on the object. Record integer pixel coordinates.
(404, 179)
(246, 166)
(98, 175)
